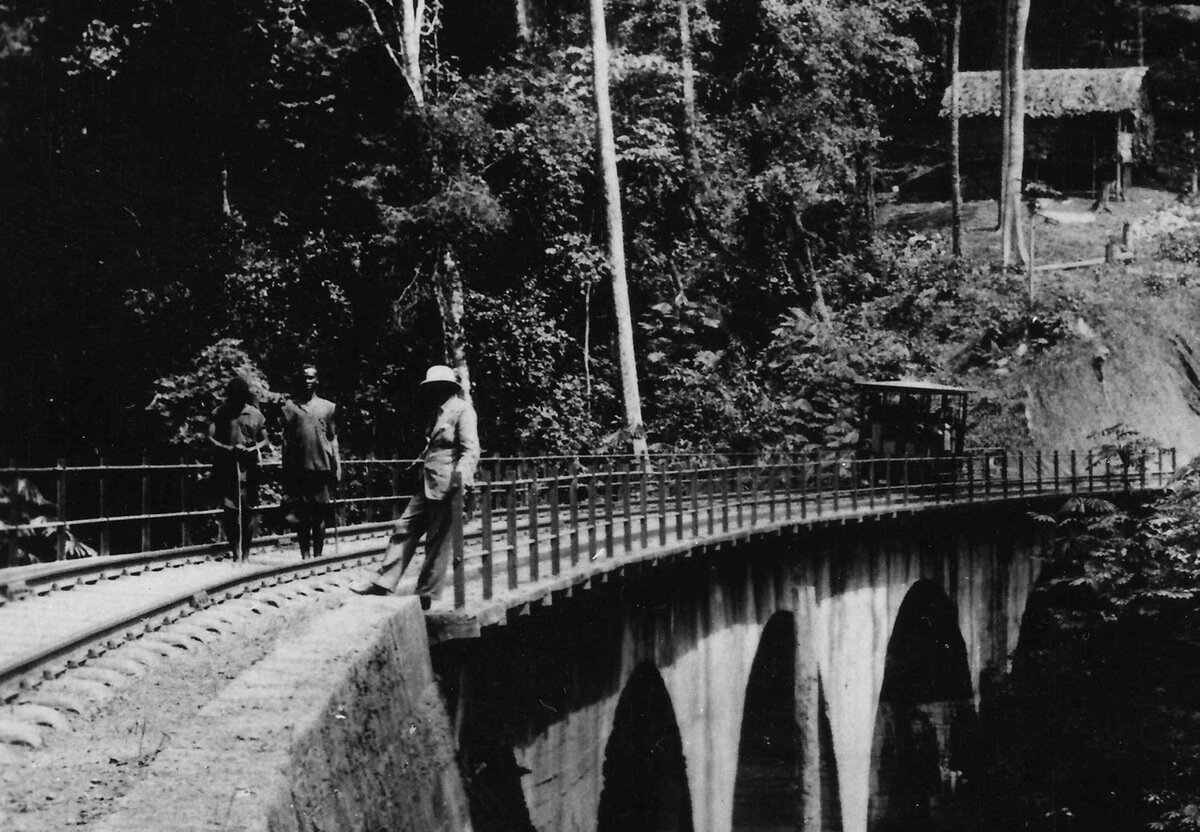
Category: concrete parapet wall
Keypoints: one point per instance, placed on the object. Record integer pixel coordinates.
(339, 729)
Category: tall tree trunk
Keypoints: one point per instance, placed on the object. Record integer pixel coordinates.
(616, 233)
(866, 186)
(405, 25)
(524, 29)
(1005, 111)
(406, 53)
(451, 302)
(1011, 232)
(955, 148)
(691, 156)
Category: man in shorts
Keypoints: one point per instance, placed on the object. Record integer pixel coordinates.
(311, 462)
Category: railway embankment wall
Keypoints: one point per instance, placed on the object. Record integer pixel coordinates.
(340, 727)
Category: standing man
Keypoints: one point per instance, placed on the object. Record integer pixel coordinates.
(311, 461)
(238, 433)
(452, 444)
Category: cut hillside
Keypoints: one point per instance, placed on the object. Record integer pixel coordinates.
(1115, 344)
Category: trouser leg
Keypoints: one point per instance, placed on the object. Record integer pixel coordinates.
(229, 524)
(403, 542)
(438, 551)
(304, 535)
(318, 529)
(249, 527)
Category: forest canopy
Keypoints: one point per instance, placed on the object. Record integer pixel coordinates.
(198, 188)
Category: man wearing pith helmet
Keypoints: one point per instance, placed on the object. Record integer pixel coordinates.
(451, 444)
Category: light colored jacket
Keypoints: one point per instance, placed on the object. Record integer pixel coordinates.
(452, 444)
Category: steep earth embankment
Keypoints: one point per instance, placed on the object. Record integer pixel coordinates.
(1149, 382)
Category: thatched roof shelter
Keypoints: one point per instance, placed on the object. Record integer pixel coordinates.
(1056, 93)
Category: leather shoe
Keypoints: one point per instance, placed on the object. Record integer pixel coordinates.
(369, 588)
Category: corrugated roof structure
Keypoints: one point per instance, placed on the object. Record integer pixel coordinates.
(1055, 93)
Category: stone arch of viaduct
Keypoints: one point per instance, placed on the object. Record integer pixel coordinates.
(634, 693)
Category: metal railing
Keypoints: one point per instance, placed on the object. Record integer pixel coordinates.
(535, 515)
(556, 518)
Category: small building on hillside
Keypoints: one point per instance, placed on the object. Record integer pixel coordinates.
(1084, 127)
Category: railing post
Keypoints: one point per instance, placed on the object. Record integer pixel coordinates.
(609, 511)
(593, 531)
(1074, 474)
(1174, 469)
(970, 478)
(11, 547)
(679, 503)
(871, 483)
(531, 509)
(725, 499)
(1091, 463)
(485, 536)
(1037, 456)
(627, 506)
(771, 491)
(456, 540)
(754, 470)
(145, 503)
(644, 520)
(60, 492)
(397, 485)
(555, 544)
(888, 468)
(695, 497)
(510, 555)
(1004, 473)
(987, 475)
(1142, 466)
(1021, 473)
(819, 493)
(105, 530)
(853, 483)
(904, 476)
(1056, 477)
(573, 516)
(184, 538)
(712, 497)
(785, 481)
(803, 488)
(737, 494)
(837, 482)
(662, 505)
(1160, 467)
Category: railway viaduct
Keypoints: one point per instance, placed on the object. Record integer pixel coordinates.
(784, 682)
(823, 677)
(691, 656)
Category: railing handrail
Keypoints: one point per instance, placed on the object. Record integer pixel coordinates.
(813, 477)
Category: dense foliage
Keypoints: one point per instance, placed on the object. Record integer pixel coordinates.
(187, 181)
(1096, 726)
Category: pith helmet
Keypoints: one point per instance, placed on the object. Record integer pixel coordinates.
(441, 374)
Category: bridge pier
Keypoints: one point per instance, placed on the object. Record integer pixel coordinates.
(860, 587)
(543, 693)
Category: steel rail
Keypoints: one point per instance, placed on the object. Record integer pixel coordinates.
(16, 675)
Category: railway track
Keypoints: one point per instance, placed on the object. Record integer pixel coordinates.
(63, 623)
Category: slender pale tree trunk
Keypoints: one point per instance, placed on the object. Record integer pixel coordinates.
(524, 29)
(1005, 111)
(955, 146)
(452, 304)
(691, 155)
(1012, 233)
(616, 233)
(405, 53)
(400, 32)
